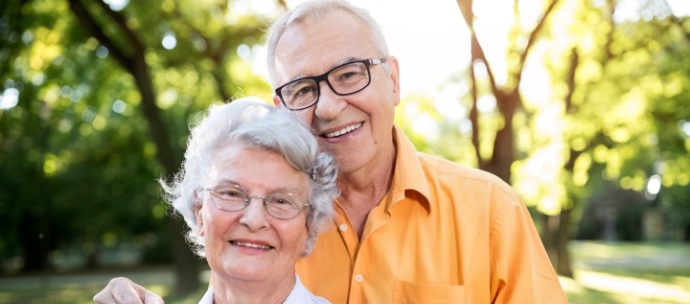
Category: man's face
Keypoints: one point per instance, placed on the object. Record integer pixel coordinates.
(356, 129)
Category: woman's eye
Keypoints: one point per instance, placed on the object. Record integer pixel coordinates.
(230, 194)
(280, 201)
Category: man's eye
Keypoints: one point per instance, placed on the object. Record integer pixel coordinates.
(305, 90)
(346, 76)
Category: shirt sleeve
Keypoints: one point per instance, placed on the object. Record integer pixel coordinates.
(521, 270)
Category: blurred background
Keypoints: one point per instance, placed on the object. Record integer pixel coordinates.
(582, 105)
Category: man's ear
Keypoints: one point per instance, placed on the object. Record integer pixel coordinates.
(394, 71)
(276, 101)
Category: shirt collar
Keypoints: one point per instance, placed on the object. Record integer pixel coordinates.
(409, 174)
(298, 295)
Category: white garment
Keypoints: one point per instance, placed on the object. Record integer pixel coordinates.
(298, 295)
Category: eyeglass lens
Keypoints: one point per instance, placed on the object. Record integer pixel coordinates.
(279, 205)
(346, 79)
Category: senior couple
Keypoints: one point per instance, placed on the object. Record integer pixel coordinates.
(398, 226)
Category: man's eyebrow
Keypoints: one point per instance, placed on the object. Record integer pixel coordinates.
(344, 61)
(337, 63)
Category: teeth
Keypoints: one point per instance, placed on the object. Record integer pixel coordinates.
(251, 245)
(343, 131)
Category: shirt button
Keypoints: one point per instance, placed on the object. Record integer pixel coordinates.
(359, 278)
(343, 227)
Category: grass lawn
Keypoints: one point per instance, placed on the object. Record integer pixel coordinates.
(604, 273)
(629, 273)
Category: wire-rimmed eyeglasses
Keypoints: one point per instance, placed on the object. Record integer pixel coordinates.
(233, 198)
(345, 79)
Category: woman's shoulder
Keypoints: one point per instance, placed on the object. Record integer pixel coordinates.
(300, 295)
(320, 300)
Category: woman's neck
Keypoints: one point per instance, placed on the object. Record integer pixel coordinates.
(229, 291)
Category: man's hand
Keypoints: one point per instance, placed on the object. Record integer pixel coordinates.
(124, 291)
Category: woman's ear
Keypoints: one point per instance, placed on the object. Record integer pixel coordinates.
(199, 218)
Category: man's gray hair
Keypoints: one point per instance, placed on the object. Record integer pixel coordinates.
(319, 9)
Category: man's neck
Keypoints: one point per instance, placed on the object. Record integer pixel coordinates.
(363, 190)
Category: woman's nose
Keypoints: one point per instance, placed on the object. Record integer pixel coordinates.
(254, 215)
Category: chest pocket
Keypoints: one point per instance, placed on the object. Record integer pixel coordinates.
(411, 293)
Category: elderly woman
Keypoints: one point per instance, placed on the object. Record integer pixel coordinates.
(255, 190)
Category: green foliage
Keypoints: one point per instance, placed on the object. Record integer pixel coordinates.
(621, 117)
(435, 133)
(78, 165)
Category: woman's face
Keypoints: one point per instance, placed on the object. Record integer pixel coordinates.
(250, 244)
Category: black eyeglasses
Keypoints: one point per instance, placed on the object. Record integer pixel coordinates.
(233, 198)
(345, 79)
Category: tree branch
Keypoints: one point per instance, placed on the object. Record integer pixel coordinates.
(477, 50)
(570, 80)
(677, 21)
(96, 31)
(119, 19)
(532, 39)
(609, 36)
(474, 119)
(216, 56)
(217, 52)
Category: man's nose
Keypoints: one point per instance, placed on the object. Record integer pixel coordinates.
(330, 104)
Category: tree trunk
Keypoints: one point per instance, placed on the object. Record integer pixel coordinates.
(186, 263)
(555, 236)
(504, 142)
(563, 264)
(35, 253)
(548, 236)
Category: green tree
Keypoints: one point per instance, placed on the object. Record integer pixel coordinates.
(588, 113)
(96, 103)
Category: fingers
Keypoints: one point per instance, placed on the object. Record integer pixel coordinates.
(124, 291)
(150, 297)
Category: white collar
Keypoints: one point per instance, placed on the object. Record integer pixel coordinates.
(298, 295)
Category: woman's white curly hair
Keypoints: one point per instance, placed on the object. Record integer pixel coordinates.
(250, 121)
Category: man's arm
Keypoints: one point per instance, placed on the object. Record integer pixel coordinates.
(124, 291)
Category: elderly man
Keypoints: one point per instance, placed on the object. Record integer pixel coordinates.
(408, 227)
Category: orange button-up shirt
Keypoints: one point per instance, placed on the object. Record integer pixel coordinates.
(444, 233)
